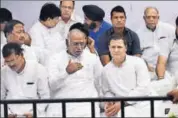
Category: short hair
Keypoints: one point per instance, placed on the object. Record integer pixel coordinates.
(83, 28)
(118, 37)
(5, 15)
(10, 26)
(147, 8)
(177, 21)
(49, 10)
(11, 48)
(71, 0)
(118, 9)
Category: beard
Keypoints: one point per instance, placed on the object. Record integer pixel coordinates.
(92, 26)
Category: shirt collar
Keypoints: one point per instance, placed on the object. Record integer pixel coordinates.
(111, 31)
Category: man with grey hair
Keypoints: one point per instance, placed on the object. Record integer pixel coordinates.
(150, 35)
(74, 73)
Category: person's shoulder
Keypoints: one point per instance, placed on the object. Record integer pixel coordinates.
(134, 59)
(166, 26)
(75, 17)
(130, 31)
(107, 24)
(108, 67)
(107, 33)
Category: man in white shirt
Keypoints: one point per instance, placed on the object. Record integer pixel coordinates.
(5, 16)
(68, 17)
(125, 76)
(74, 73)
(14, 32)
(23, 79)
(168, 57)
(151, 34)
(41, 33)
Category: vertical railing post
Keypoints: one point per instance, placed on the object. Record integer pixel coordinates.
(63, 109)
(34, 110)
(93, 109)
(152, 108)
(122, 109)
(5, 110)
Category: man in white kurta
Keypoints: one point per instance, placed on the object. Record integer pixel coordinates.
(125, 76)
(74, 73)
(41, 33)
(67, 19)
(15, 33)
(22, 79)
(151, 34)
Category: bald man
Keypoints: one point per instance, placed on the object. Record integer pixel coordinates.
(150, 35)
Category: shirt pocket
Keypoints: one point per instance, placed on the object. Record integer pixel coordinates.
(30, 90)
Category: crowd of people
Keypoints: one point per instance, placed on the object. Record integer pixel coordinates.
(63, 56)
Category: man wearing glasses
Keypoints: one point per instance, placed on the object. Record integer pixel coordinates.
(68, 17)
(74, 73)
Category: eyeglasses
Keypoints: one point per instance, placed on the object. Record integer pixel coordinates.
(76, 44)
(67, 7)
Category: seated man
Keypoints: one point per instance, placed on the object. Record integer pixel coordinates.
(168, 57)
(94, 19)
(74, 73)
(118, 19)
(14, 32)
(125, 76)
(22, 79)
(151, 34)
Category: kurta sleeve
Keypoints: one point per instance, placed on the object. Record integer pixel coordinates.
(42, 88)
(106, 88)
(143, 79)
(97, 74)
(57, 72)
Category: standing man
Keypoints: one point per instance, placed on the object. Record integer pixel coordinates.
(118, 19)
(74, 73)
(23, 79)
(41, 33)
(94, 16)
(5, 16)
(68, 17)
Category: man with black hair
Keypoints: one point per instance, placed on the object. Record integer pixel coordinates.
(41, 33)
(94, 19)
(14, 32)
(68, 17)
(74, 73)
(124, 76)
(5, 16)
(22, 79)
(118, 19)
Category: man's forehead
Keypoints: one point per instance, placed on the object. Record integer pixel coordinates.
(117, 42)
(67, 3)
(151, 11)
(18, 26)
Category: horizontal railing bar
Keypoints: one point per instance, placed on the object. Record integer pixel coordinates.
(85, 100)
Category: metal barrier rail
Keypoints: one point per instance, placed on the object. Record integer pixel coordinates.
(91, 100)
